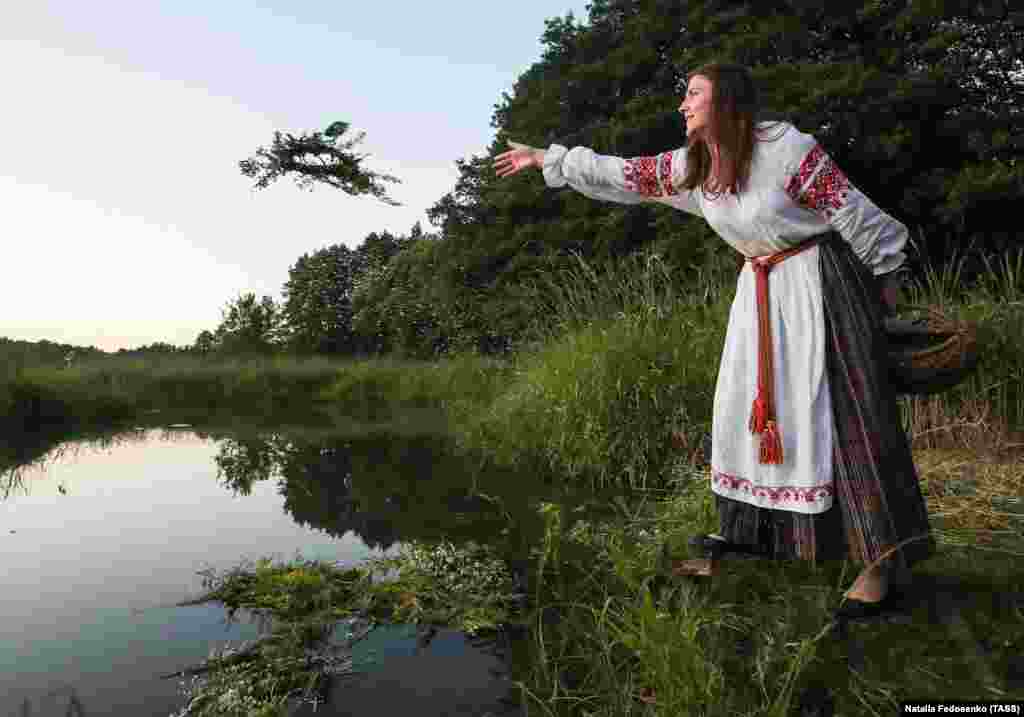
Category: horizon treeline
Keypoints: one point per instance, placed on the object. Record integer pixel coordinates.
(920, 105)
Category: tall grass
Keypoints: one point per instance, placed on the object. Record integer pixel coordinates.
(119, 389)
(629, 362)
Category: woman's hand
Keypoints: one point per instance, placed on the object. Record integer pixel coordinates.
(519, 157)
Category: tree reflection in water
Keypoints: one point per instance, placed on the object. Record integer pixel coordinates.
(383, 488)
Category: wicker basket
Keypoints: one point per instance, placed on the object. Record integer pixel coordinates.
(929, 351)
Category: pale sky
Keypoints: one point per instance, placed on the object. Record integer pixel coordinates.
(125, 218)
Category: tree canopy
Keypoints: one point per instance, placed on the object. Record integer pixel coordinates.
(920, 104)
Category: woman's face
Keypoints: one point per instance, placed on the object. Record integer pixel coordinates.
(696, 105)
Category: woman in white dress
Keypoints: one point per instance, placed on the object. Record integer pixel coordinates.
(809, 460)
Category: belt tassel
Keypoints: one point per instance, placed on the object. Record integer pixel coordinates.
(771, 445)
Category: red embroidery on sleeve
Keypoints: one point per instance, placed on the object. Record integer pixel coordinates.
(666, 174)
(828, 192)
(641, 176)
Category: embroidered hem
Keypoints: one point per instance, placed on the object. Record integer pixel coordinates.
(798, 499)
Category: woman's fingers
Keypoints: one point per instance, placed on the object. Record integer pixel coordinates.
(510, 162)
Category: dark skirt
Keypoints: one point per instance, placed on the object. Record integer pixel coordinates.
(878, 502)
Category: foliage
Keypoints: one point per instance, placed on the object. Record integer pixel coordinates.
(445, 584)
(248, 327)
(316, 301)
(15, 355)
(316, 157)
(883, 86)
(602, 399)
(919, 106)
(319, 306)
(304, 599)
(397, 303)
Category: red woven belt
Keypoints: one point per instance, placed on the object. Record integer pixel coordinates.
(762, 414)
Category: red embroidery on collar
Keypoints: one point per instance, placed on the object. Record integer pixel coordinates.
(829, 190)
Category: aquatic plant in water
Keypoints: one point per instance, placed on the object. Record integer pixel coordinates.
(465, 587)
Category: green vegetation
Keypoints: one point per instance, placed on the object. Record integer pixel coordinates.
(618, 381)
(626, 638)
(609, 399)
(304, 601)
(582, 338)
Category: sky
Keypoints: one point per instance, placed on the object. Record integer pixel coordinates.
(125, 218)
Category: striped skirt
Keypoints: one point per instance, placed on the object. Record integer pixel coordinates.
(878, 502)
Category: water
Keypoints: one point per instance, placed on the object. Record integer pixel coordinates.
(98, 542)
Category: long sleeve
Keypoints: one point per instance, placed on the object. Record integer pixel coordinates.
(624, 181)
(816, 183)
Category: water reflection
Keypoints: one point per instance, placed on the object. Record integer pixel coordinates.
(64, 699)
(378, 485)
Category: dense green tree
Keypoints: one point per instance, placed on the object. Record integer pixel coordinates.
(918, 104)
(318, 309)
(205, 343)
(396, 307)
(249, 327)
(317, 305)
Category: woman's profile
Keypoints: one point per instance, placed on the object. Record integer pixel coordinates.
(809, 460)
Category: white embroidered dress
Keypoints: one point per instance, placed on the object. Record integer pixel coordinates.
(795, 191)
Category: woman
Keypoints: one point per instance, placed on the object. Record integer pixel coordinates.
(809, 460)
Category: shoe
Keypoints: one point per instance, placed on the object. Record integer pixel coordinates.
(853, 609)
(716, 547)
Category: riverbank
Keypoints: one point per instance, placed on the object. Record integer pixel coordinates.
(613, 633)
(619, 393)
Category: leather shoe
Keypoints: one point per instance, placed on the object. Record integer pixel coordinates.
(716, 547)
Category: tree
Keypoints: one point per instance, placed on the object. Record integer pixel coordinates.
(205, 343)
(318, 157)
(396, 307)
(248, 327)
(318, 308)
(898, 93)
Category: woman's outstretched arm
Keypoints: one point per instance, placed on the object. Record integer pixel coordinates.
(604, 177)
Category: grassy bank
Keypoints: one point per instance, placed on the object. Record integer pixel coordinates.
(616, 388)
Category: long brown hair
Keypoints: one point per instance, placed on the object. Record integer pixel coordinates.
(735, 114)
